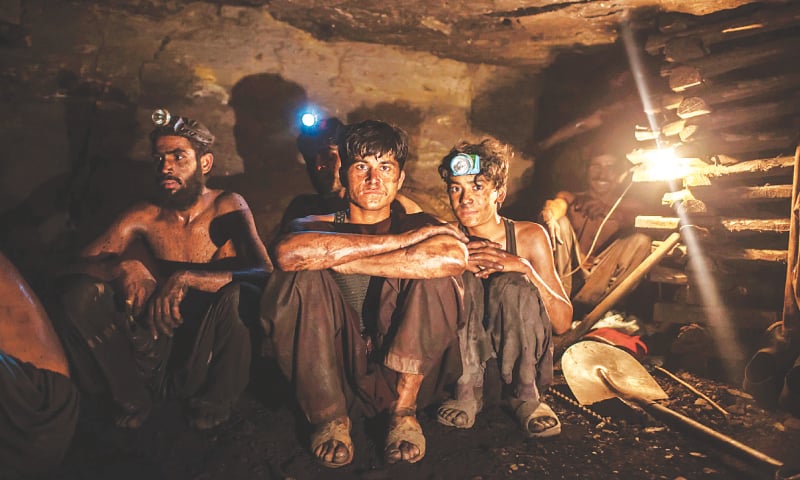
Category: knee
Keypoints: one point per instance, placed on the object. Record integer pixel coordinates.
(78, 293)
(511, 283)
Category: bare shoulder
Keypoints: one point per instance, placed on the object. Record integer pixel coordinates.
(225, 201)
(530, 232)
(139, 215)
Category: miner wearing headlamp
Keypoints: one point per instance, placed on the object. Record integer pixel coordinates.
(364, 304)
(317, 146)
(139, 331)
(513, 299)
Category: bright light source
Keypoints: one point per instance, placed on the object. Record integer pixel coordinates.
(662, 165)
(308, 119)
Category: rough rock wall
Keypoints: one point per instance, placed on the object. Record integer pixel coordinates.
(79, 82)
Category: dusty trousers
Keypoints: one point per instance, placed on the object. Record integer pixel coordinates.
(506, 319)
(317, 339)
(38, 414)
(205, 363)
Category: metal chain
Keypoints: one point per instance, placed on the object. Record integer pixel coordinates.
(604, 421)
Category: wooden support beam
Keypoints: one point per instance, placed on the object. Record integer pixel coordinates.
(734, 117)
(758, 22)
(729, 225)
(728, 252)
(734, 195)
(729, 145)
(699, 71)
(672, 276)
(722, 93)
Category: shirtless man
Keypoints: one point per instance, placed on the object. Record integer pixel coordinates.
(365, 302)
(513, 263)
(177, 326)
(38, 402)
(318, 147)
(574, 219)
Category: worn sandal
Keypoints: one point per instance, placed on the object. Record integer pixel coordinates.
(450, 410)
(543, 415)
(404, 429)
(331, 444)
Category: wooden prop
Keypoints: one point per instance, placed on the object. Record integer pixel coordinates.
(702, 103)
(759, 22)
(623, 288)
(790, 317)
(699, 71)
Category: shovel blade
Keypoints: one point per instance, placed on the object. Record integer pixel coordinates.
(583, 362)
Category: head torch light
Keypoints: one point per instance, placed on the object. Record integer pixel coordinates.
(465, 164)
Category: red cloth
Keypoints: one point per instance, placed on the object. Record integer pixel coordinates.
(632, 344)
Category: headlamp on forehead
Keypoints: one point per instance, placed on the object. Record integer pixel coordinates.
(161, 117)
(465, 164)
(182, 126)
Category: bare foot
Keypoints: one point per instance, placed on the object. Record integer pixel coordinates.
(331, 443)
(405, 441)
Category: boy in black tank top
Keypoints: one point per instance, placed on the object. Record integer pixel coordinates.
(513, 297)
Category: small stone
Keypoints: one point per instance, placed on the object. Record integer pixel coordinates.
(514, 467)
(654, 429)
(709, 471)
(779, 427)
(698, 454)
(700, 402)
(669, 456)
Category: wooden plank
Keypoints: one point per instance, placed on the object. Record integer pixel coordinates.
(715, 195)
(728, 252)
(735, 117)
(699, 71)
(735, 91)
(759, 167)
(761, 21)
(680, 314)
(725, 144)
(730, 225)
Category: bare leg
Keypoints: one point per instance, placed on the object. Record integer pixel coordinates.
(405, 441)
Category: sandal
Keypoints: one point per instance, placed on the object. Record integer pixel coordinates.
(450, 411)
(331, 444)
(541, 416)
(404, 429)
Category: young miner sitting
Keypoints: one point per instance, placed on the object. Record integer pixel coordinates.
(177, 329)
(513, 298)
(38, 402)
(365, 302)
(320, 153)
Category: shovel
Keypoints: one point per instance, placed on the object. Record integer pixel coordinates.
(595, 371)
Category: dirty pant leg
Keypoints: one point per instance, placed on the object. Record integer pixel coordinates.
(521, 333)
(95, 335)
(417, 324)
(565, 255)
(218, 368)
(38, 414)
(473, 340)
(417, 321)
(612, 266)
(310, 330)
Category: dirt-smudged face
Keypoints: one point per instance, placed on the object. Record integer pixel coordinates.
(474, 199)
(325, 171)
(180, 175)
(373, 181)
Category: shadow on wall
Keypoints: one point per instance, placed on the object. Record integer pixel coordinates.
(507, 111)
(70, 209)
(266, 107)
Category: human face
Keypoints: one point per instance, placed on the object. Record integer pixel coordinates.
(178, 172)
(474, 199)
(373, 182)
(325, 172)
(604, 175)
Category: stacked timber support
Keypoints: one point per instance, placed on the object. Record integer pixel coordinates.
(729, 107)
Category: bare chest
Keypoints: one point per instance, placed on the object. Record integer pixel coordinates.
(184, 242)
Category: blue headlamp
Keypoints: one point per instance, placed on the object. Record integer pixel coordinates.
(465, 164)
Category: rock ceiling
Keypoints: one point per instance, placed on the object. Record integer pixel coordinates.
(505, 32)
(509, 32)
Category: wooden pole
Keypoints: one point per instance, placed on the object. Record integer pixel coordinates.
(790, 317)
(623, 288)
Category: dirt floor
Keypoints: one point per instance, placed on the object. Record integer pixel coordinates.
(266, 439)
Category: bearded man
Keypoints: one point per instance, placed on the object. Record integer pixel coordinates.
(176, 327)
